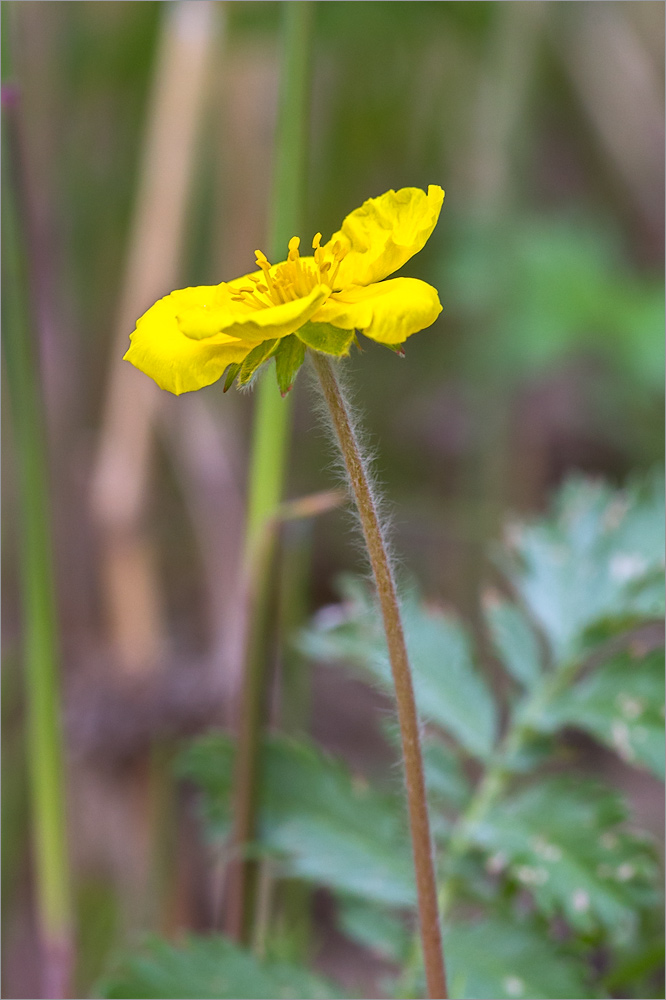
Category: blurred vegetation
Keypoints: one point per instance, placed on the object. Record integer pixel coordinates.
(544, 123)
(547, 890)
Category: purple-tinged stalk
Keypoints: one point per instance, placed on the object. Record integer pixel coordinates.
(367, 506)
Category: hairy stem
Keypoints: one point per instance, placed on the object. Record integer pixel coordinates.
(426, 886)
(267, 470)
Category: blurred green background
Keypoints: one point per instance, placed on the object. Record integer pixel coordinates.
(145, 136)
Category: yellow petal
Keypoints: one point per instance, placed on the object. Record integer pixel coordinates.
(388, 311)
(176, 362)
(384, 233)
(228, 318)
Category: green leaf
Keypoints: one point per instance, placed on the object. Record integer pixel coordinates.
(563, 841)
(497, 958)
(379, 930)
(639, 970)
(328, 827)
(622, 704)
(203, 968)
(232, 372)
(444, 776)
(449, 690)
(289, 358)
(514, 640)
(584, 565)
(257, 356)
(326, 338)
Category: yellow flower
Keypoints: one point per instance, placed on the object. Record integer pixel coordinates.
(189, 338)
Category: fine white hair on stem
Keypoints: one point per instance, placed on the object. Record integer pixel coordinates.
(367, 501)
(366, 451)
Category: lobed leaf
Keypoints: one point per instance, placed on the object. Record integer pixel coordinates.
(564, 842)
(622, 704)
(445, 779)
(381, 931)
(597, 558)
(497, 958)
(210, 967)
(449, 690)
(514, 640)
(326, 827)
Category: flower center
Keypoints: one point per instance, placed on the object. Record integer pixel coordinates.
(294, 278)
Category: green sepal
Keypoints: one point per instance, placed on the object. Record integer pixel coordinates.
(398, 349)
(232, 372)
(289, 358)
(262, 352)
(326, 338)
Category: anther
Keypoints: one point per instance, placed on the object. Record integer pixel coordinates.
(294, 244)
(316, 242)
(262, 260)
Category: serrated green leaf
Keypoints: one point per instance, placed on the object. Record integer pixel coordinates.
(564, 842)
(257, 356)
(622, 704)
(288, 359)
(326, 338)
(584, 564)
(497, 958)
(514, 640)
(444, 776)
(232, 372)
(382, 932)
(209, 968)
(449, 690)
(327, 827)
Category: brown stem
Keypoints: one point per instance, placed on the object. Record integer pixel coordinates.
(243, 871)
(426, 886)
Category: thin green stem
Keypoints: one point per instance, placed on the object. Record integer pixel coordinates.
(496, 779)
(426, 886)
(40, 640)
(267, 467)
(272, 413)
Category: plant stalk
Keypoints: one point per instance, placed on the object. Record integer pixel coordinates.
(270, 438)
(55, 919)
(433, 955)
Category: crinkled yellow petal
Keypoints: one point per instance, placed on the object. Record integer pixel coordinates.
(227, 318)
(176, 362)
(384, 233)
(388, 311)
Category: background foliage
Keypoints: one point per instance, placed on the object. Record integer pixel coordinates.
(544, 123)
